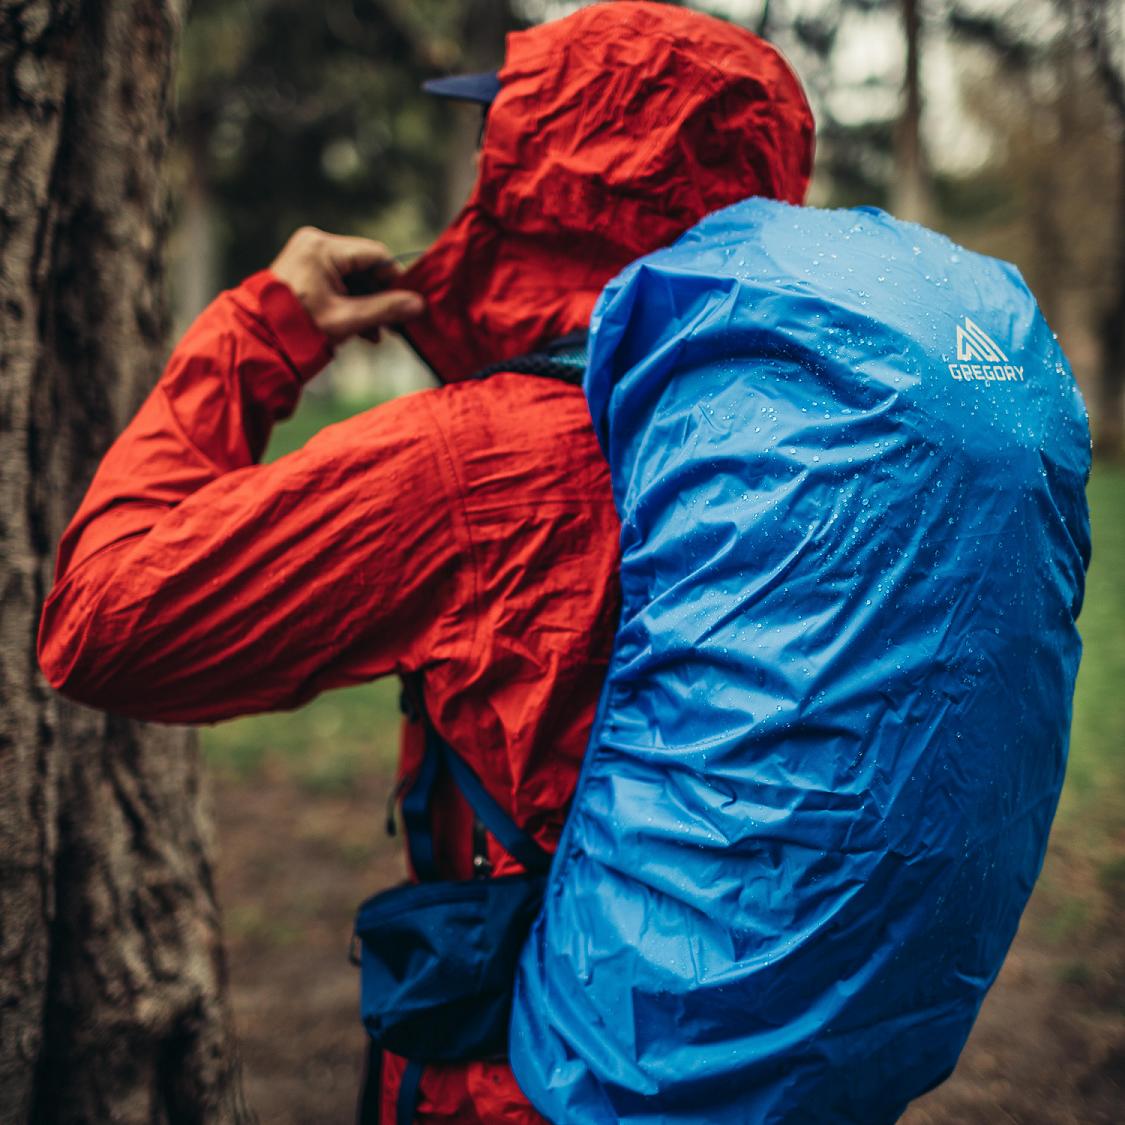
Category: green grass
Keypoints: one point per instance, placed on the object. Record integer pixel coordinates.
(314, 413)
(1078, 903)
(1094, 796)
(324, 746)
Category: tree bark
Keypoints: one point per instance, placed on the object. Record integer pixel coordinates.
(910, 195)
(112, 1000)
(1110, 428)
(1105, 37)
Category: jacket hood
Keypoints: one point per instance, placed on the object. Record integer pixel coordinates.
(615, 130)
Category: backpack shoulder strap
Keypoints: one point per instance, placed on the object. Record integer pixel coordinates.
(514, 840)
(417, 801)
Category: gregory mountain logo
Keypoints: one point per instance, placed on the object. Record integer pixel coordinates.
(974, 343)
(991, 363)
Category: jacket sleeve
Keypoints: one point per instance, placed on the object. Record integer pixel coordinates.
(194, 584)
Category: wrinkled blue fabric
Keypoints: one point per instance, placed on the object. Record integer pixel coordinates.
(835, 723)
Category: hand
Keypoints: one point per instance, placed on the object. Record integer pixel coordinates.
(344, 283)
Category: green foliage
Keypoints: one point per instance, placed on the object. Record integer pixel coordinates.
(294, 113)
(1079, 898)
(324, 746)
(1067, 920)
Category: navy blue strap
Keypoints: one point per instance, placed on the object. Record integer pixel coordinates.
(416, 804)
(371, 1087)
(416, 813)
(513, 839)
(408, 1093)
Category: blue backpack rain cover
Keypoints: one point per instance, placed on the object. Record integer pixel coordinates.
(850, 463)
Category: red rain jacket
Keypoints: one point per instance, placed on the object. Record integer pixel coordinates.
(466, 532)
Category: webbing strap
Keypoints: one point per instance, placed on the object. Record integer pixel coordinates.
(408, 1093)
(513, 839)
(371, 1086)
(416, 811)
(417, 802)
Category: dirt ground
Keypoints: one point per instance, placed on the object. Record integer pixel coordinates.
(1048, 1049)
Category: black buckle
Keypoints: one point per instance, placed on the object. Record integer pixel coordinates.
(392, 801)
(482, 865)
(407, 704)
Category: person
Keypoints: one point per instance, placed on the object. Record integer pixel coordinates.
(465, 534)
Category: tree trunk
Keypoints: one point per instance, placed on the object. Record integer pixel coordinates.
(910, 195)
(484, 24)
(111, 969)
(196, 281)
(1111, 330)
(1105, 37)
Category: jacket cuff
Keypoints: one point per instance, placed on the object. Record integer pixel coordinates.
(305, 346)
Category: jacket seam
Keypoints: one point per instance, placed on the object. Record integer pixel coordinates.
(205, 459)
(445, 452)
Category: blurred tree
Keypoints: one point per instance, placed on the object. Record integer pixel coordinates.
(483, 26)
(910, 193)
(112, 1000)
(295, 113)
(1101, 25)
(869, 145)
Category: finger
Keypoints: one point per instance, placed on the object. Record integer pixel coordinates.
(349, 253)
(350, 315)
(361, 283)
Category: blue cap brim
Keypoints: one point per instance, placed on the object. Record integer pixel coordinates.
(481, 88)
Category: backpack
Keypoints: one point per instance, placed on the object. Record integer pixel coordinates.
(849, 459)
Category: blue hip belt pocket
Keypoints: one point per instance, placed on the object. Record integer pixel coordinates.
(437, 962)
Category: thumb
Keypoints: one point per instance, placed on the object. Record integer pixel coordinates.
(350, 315)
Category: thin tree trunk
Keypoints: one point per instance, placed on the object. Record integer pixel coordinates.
(111, 968)
(1049, 244)
(1099, 27)
(484, 24)
(197, 278)
(1111, 334)
(910, 196)
(1104, 29)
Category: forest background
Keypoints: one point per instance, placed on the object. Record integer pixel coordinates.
(1000, 123)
